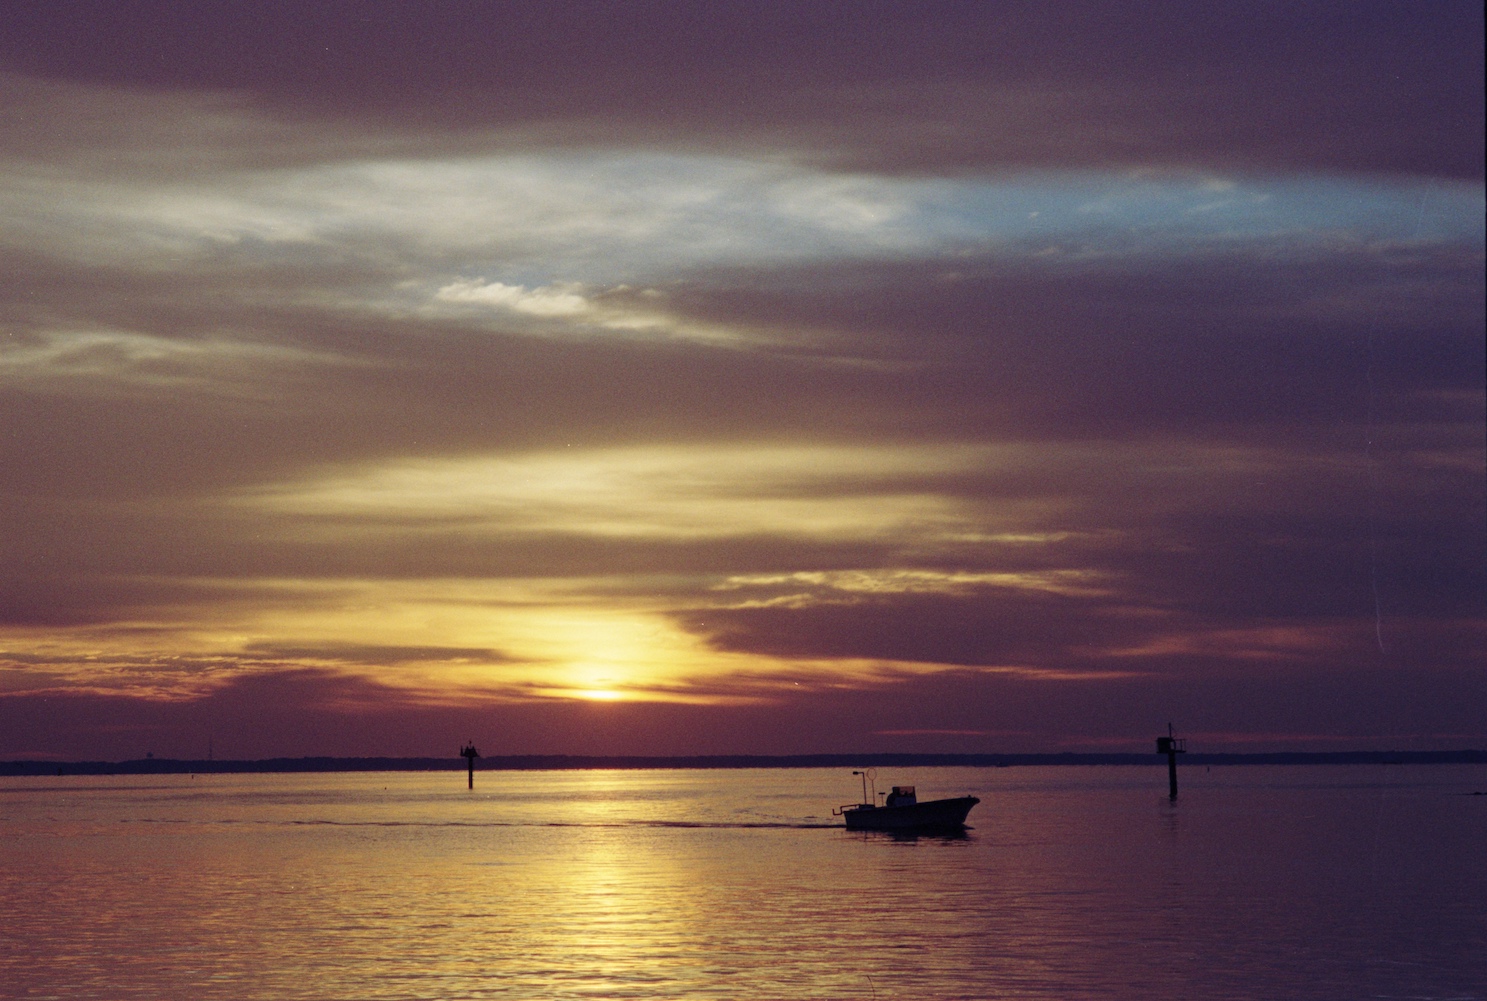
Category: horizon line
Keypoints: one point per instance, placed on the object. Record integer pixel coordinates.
(562, 762)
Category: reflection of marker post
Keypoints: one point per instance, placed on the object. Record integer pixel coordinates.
(469, 753)
(1171, 746)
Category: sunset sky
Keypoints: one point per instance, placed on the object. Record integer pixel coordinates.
(690, 378)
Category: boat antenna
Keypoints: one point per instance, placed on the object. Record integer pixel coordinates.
(868, 774)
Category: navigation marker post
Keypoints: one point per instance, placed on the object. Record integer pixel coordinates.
(1171, 746)
(469, 753)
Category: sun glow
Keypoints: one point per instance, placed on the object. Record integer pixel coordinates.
(599, 695)
(439, 641)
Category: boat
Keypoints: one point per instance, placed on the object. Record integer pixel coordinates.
(902, 811)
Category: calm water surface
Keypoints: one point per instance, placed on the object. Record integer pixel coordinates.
(1343, 882)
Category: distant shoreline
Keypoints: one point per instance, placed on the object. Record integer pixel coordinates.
(569, 762)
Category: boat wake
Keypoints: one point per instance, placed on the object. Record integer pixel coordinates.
(683, 824)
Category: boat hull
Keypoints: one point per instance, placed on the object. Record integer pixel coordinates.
(934, 815)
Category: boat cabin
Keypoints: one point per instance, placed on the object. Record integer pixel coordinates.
(901, 796)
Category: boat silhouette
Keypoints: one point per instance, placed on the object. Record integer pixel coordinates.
(902, 811)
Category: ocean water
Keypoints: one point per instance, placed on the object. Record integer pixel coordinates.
(1341, 882)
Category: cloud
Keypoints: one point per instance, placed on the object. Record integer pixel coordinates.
(679, 493)
(541, 301)
(1376, 87)
(502, 212)
(351, 653)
